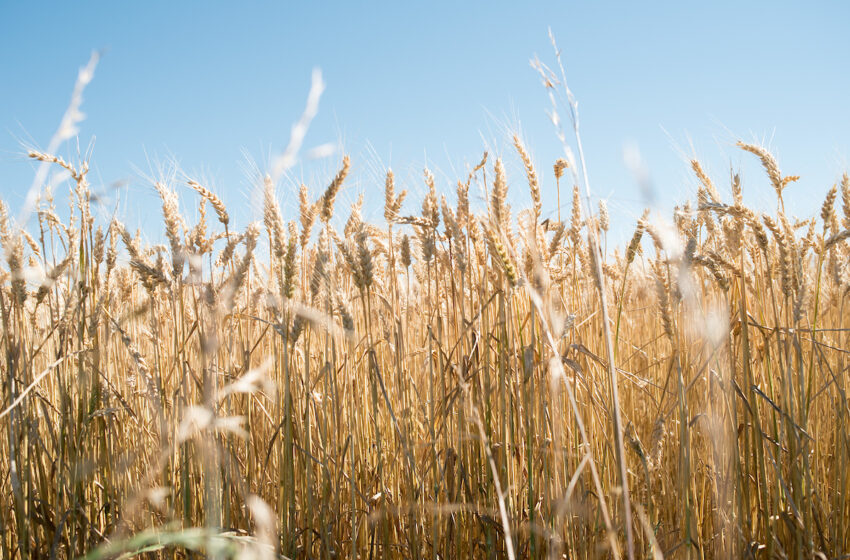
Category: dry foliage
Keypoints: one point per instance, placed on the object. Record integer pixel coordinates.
(436, 385)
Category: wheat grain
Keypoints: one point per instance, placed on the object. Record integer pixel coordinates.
(769, 164)
(329, 196)
(531, 175)
(215, 202)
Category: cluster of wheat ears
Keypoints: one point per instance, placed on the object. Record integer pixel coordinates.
(445, 384)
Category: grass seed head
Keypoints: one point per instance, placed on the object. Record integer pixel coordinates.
(329, 197)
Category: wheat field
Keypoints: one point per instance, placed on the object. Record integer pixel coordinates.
(435, 385)
(458, 380)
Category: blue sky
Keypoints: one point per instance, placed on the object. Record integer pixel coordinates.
(216, 86)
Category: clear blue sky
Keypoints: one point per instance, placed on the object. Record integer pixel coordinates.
(411, 84)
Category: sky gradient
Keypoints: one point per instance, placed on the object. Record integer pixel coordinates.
(216, 88)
